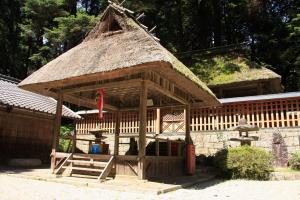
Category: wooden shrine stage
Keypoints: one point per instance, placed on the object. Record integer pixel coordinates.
(120, 165)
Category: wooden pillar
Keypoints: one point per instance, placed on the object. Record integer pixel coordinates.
(157, 131)
(142, 130)
(157, 121)
(157, 147)
(187, 115)
(117, 133)
(56, 129)
(169, 147)
(74, 140)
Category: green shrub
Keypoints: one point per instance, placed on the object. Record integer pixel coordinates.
(244, 162)
(64, 144)
(294, 161)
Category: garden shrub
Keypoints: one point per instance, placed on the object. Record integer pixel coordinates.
(65, 131)
(244, 162)
(294, 161)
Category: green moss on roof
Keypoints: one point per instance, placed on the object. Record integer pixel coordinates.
(229, 68)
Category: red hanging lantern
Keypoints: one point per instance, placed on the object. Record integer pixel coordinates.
(100, 103)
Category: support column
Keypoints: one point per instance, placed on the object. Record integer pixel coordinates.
(157, 121)
(142, 130)
(74, 140)
(157, 131)
(117, 134)
(187, 116)
(56, 129)
(169, 147)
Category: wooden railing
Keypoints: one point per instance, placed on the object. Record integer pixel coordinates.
(265, 114)
(129, 122)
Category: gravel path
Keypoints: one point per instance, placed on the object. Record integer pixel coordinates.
(12, 188)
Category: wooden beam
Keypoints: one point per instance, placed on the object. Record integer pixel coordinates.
(142, 130)
(56, 129)
(109, 85)
(117, 134)
(187, 115)
(90, 103)
(166, 92)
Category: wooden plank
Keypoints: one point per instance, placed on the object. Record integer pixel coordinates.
(107, 168)
(262, 114)
(58, 171)
(142, 130)
(90, 103)
(106, 86)
(56, 129)
(293, 112)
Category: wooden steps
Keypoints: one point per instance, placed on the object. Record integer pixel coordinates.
(97, 163)
(91, 165)
(83, 169)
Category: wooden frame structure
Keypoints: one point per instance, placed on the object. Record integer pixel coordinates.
(121, 57)
(147, 88)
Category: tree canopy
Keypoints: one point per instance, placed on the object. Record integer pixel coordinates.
(33, 32)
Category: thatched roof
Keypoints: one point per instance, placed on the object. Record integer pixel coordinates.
(125, 45)
(230, 68)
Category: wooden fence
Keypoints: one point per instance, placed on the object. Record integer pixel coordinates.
(265, 114)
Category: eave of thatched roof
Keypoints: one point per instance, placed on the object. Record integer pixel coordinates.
(106, 51)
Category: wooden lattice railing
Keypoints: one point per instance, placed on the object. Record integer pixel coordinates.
(265, 114)
(129, 122)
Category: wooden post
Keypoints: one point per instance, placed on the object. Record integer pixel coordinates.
(157, 121)
(74, 140)
(142, 130)
(157, 131)
(157, 147)
(169, 147)
(56, 129)
(187, 114)
(117, 133)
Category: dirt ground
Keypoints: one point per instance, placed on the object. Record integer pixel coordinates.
(13, 188)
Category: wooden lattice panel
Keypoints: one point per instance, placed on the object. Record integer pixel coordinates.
(172, 121)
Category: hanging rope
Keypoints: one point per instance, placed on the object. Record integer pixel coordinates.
(100, 103)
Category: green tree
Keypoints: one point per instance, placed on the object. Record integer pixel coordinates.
(70, 31)
(10, 58)
(38, 15)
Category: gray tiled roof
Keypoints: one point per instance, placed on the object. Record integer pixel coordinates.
(11, 95)
(261, 97)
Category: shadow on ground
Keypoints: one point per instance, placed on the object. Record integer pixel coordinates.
(206, 184)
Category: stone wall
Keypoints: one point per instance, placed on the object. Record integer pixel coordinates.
(208, 143)
(280, 141)
(83, 146)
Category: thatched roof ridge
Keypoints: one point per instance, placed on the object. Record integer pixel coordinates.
(128, 45)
